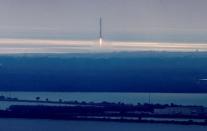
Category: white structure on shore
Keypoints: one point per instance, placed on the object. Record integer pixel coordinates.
(182, 110)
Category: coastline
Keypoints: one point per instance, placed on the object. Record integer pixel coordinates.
(115, 112)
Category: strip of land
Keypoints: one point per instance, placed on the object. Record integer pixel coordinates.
(105, 111)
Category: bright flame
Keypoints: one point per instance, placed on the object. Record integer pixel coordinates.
(100, 42)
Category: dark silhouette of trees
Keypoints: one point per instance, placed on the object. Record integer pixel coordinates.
(37, 98)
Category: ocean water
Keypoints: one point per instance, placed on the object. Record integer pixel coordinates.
(59, 125)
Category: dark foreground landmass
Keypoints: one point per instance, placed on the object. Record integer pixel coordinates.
(104, 111)
(118, 72)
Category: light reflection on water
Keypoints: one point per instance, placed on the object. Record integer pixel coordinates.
(12, 46)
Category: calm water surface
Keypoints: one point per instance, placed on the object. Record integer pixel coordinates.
(59, 125)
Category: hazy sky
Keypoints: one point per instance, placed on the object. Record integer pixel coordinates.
(162, 20)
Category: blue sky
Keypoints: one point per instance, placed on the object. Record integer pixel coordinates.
(150, 20)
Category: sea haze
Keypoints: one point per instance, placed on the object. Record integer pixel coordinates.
(14, 46)
(101, 72)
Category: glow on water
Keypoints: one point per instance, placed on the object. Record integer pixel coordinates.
(71, 46)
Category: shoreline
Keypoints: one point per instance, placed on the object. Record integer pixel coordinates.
(109, 112)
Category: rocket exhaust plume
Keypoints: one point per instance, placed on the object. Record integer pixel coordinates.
(100, 32)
